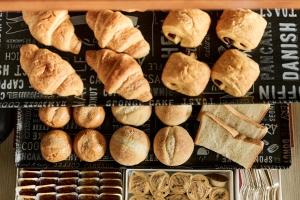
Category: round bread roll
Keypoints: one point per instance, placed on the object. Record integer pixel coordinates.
(173, 115)
(235, 73)
(89, 145)
(185, 74)
(132, 115)
(56, 146)
(89, 117)
(242, 28)
(173, 146)
(55, 117)
(129, 146)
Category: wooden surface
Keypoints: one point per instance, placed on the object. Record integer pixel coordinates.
(290, 177)
(16, 5)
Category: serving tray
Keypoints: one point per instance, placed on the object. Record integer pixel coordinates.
(276, 153)
(277, 54)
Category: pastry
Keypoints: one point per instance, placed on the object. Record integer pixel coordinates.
(215, 135)
(138, 183)
(187, 27)
(89, 117)
(53, 28)
(173, 115)
(159, 184)
(180, 182)
(55, 117)
(235, 73)
(185, 74)
(219, 194)
(129, 146)
(173, 146)
(236, 120)
(242, 28)
(177, 197)
(48, 73)
(256, 112)
(217, 180)
(120, 74)
(56, 146)
(89, 145)
(132, 115)
(199, 187)
(115, 31)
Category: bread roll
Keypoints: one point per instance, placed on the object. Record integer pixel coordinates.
(56, 146)
(185, 74)
(129, 146)
(132, 115)
(242, 28)
(55, 117)
(173, 115)
(89, 145)
(89, 117)
(173, 146)
(187, 27)
(215, 135)
(235, 73)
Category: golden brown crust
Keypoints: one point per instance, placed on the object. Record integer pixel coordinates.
(185, 74)
(120, 74)
(173, 146)
(55, 117)
(89, 117)
(48, 73)
(132, 115)
(235, 73)
(187, 27)
(89, 145)
(53, 28)
(116, 31)
(129, 146)
(56, 146)
(242, 27)
(173, 115)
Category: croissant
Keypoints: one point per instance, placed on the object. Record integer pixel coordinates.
(116, 31)
(53, 28)
(120, 74)
(48, 73)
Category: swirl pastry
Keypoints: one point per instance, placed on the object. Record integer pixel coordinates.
(159, 184)
(177, 197)
(115, 31)
(187, 27)
(180, 182)
(199, 188)
(138, 183)
(142, 197)
(235, 73)
(219, 194)
(242, 28)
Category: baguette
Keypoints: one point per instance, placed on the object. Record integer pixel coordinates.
(236, 120)
(256, 112)
(215, 135)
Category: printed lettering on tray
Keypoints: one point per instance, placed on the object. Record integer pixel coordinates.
(264, 159)
(287, 13)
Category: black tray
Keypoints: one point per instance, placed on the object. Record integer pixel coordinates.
(30, 128)
(277, 54)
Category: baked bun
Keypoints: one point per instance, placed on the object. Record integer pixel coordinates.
(187, 27)
(242, 28)
(235, 73)
(55, 117)
(89, 117)
(132, 115)
(56, 146)
(173, 146)
(185, 74)
(173, 115)
(129, 146)
(89, 145)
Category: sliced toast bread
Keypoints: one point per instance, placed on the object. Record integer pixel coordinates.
(256, 112)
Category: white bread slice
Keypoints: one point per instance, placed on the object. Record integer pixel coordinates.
(236, 120)
(256, 112)
(215, 135)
